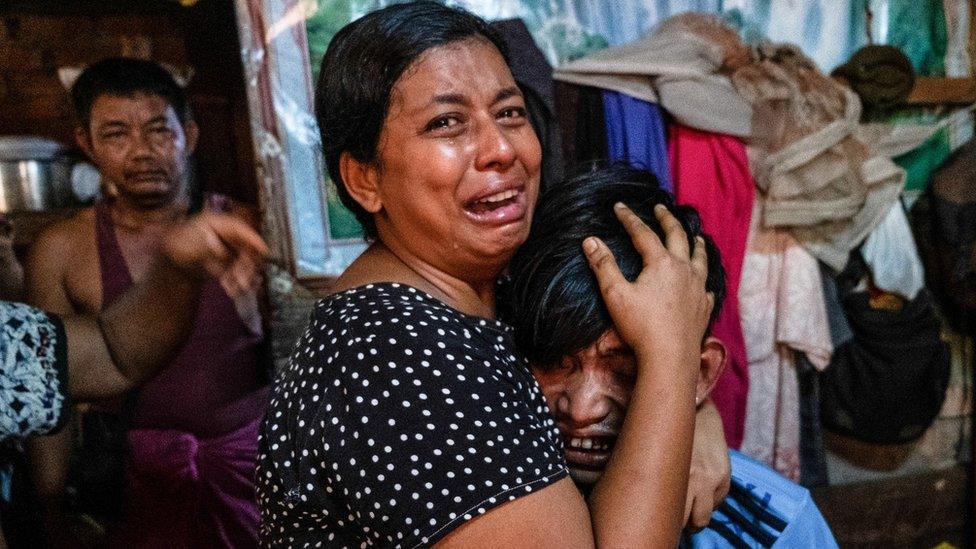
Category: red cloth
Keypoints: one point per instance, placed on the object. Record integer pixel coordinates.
(710, 171)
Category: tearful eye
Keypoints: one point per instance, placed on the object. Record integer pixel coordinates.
(442, 122)
(513, 113)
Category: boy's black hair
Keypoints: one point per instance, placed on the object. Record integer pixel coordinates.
(551, 296)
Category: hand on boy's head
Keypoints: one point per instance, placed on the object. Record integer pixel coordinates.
(667, 307)
(217, 245)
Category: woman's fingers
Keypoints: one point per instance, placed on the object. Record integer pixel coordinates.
(645, 241)
(699, 258)
(675, 237)
(604, 266)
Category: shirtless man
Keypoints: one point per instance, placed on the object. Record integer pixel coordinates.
(587, 372)
(135, 125)
(88, 357)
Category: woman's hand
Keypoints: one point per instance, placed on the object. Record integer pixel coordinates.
(711, 472)
(666, 309)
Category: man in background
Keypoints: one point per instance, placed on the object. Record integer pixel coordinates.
(190, 434)
(50, 361)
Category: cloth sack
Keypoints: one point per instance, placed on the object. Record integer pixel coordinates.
(887, 384)
(881, 75)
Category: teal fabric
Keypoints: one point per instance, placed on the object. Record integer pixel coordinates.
(921, 163)
(919, 30)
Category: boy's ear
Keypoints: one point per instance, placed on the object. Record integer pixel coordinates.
(713, 358)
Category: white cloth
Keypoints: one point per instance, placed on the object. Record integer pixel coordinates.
(782, 310)
(675, 68)
(891, 255)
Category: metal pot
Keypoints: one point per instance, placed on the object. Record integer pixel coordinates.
(33, 174)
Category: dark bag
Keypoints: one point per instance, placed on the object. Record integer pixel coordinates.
(887, 384)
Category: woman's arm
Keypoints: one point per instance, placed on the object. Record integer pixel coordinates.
(641, 497)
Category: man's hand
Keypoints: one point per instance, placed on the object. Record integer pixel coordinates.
(711, 472)
(216, 245)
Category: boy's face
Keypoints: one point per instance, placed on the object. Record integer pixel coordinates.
(588, 394)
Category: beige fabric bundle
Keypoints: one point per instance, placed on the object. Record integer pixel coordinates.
(674, 66)
(816, 177)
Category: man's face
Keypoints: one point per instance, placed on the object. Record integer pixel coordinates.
(139, 145)
(588, 394)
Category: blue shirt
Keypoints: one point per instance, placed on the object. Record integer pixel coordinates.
(763, 509)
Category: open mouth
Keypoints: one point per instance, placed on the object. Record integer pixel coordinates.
(495, 201)
(588, 452)
(501, 207)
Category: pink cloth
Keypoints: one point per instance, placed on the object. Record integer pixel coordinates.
(183, 492)
(710, 171)
(782, 309)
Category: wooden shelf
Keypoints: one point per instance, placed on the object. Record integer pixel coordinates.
(943, 91)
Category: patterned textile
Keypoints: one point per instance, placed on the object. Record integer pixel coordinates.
(33, 373)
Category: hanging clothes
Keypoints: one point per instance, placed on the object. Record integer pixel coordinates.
(816, 177)
(813, 452)
(582, 122)
(892, 257)
(711, 172)
(636, 134)
(681, 69)
(888, 383)
(781, 307)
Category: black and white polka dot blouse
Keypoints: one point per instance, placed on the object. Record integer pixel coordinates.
(397, 419)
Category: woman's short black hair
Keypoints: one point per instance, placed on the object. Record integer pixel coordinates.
(550, 296)
(363, 63)
(125, 77)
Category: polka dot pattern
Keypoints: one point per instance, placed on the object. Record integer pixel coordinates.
(396, 420)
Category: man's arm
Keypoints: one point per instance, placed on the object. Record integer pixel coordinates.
(48, 455)
(139, 334)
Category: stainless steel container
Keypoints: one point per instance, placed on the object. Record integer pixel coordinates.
(33, 174)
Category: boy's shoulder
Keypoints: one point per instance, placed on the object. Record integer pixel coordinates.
(764, 508)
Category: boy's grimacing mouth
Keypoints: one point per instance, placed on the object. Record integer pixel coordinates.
(588, 453)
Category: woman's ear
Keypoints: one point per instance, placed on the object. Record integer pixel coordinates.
(713, 357)
(361, 181)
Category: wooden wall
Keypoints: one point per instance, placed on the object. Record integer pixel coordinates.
(39, 36)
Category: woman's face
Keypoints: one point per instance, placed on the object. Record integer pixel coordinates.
(458, 162)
